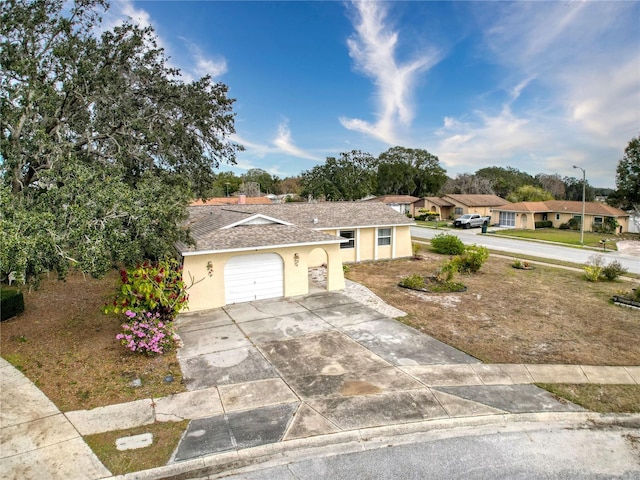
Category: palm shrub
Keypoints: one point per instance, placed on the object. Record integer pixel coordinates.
(447, 244)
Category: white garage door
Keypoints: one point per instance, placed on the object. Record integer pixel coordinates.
(253, 277)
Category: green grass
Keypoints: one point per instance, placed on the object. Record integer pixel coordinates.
(434, 224)
(165, 440)
(599, 398)
(569, 237)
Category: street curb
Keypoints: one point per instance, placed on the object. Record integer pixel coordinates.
(285, 452)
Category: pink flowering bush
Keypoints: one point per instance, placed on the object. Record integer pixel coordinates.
(146, 332)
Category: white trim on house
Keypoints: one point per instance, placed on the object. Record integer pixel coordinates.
(380, 225)
(261, 247)
(257, 219)
(357, 244)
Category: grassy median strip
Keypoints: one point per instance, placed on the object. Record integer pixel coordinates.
(599, 398)
(165, 440)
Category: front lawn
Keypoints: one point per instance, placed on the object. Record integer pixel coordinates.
(570, 237)
(67, 347)
(545, 315)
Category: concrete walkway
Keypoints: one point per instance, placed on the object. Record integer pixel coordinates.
(291, 374)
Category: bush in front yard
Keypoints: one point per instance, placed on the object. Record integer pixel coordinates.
(153, 287)
(413, 281)
(612, 271)
(447, 244)
(472, 259)
(12, 303)
(544, 224)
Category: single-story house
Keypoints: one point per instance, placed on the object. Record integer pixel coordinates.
(453, 205)
(524, 215)
(432, 204)
(400, 203)
(239, 200)
(252, 252)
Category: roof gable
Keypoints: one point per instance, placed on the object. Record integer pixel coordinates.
(475, 200)
(257, 219)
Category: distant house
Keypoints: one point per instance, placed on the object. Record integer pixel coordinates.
(453, 205)
(400, 203)
(252, 252)
(524, 215)
(239, 200)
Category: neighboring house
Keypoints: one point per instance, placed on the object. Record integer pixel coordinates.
(400, 203)
(239, 200)
(524, 215)
(452, 206)
(252, 252)
(432, 204)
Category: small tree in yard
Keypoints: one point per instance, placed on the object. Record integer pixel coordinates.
(151, 287)
(596, 269)
(447, 244)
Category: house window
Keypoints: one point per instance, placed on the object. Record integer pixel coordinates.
(507, 219)
(598, 220)
(384, 236)
(557, 216)
(458, 211)
(351, 236)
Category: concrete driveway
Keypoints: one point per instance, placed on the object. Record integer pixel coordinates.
(324, 363)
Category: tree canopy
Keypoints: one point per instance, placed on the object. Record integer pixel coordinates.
(627, 193)
(409, 171)
(101, 142)
(529, 193)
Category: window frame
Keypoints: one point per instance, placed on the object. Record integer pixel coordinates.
(352, 239)
(384, 239)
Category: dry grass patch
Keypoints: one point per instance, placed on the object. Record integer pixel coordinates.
(599, 398)
(165, 440)
(67, 347)
(546, 315)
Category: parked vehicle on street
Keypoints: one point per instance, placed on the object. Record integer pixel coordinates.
(469, 220)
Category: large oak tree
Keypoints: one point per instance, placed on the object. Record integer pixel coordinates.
(101, 142)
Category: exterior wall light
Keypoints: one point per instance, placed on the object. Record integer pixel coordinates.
(296, 259)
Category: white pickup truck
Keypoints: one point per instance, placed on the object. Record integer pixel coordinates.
(469, 220)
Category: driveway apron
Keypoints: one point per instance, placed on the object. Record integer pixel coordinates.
(324, 363)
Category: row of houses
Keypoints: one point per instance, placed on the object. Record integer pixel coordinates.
(522, 215)
(248, 249)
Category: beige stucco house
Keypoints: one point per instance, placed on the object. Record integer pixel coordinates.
(400, 203)
(524, 215)
(252, 252)
(452, 206)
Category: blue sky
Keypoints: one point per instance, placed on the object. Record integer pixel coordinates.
(538, 86)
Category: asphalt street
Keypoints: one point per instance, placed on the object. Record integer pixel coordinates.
(535, 249)
(543, 452)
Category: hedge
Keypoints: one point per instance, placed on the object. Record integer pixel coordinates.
(544, 224)
(12, 303)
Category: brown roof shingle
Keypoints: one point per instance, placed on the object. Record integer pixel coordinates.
(476, 200)
(564, 206)
(306, 220)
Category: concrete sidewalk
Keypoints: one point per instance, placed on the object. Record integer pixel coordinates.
(286, 374)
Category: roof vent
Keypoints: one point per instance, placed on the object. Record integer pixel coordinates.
(315, 219)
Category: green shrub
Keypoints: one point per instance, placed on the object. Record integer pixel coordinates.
(613, 270)
(152, 287)
(447, 244)
(11, 303)
(564, 226)
(413, 281)
(544, 224)
(593, 269)
(574, 223)
(345, 269)
(472, 259)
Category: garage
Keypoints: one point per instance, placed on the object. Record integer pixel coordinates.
(253, 277)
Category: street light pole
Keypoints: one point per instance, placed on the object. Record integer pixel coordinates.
(584, 181)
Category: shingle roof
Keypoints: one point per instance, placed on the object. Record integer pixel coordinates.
(397, 199)
(233, 201)
(567, 206)
(206, 223)
(439, 201)
(476, 200)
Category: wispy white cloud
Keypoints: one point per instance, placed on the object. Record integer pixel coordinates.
(283, 143)
(286, 144)
(373, 50)
(571, 88)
